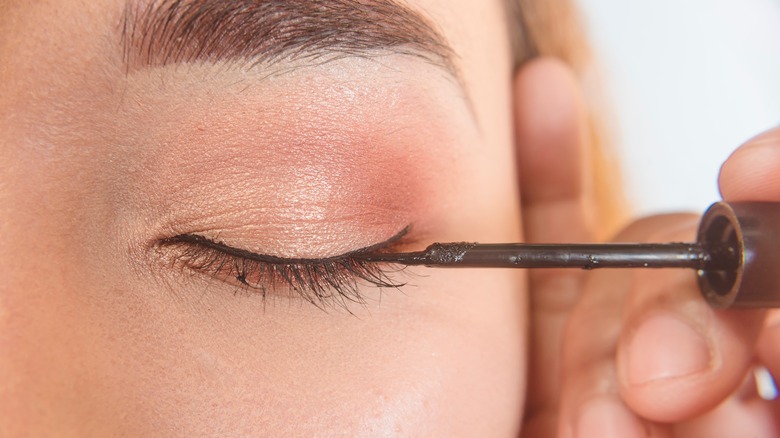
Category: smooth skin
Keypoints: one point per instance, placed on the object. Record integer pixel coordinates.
(98, 340)
(640, 353)
(90, 349)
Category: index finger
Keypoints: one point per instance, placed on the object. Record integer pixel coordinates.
(553, 154)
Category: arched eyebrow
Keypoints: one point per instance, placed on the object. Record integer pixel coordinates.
(268, 32)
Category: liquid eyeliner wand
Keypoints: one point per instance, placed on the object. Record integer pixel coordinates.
(736, 255)
(584, 256)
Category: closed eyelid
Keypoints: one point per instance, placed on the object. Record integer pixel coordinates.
(322, 282)
(272, 259)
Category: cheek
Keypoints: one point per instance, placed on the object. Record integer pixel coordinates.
(445, 357)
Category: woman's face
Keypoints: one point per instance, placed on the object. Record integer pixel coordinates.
(124, 125)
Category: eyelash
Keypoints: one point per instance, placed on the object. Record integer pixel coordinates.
(324, 282)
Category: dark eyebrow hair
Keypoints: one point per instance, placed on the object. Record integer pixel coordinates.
(267, 32)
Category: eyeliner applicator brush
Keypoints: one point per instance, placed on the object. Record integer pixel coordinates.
(736, 255)
(583, 256)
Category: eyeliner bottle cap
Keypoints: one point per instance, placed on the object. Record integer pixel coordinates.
(752, 229)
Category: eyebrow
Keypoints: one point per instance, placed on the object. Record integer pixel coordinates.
(269, 32)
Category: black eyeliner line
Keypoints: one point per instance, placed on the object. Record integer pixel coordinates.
(242, 253)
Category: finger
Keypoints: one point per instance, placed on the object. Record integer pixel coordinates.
(553, 153)
(752, 173)
(745, 413)
(768, 348)
(553, 160)
(590, 397)
(677, 357)
(591, 404)
(768, 355)
(735, 417)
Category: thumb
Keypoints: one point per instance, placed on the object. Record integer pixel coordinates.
(752, 172)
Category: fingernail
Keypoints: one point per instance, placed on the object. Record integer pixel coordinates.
(607, 418)
(666, 347)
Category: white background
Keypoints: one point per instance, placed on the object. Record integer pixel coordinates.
(689, 80)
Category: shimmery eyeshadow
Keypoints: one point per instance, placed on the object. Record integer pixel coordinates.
(334, 165)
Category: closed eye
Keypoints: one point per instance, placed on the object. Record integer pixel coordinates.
(324, 282)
